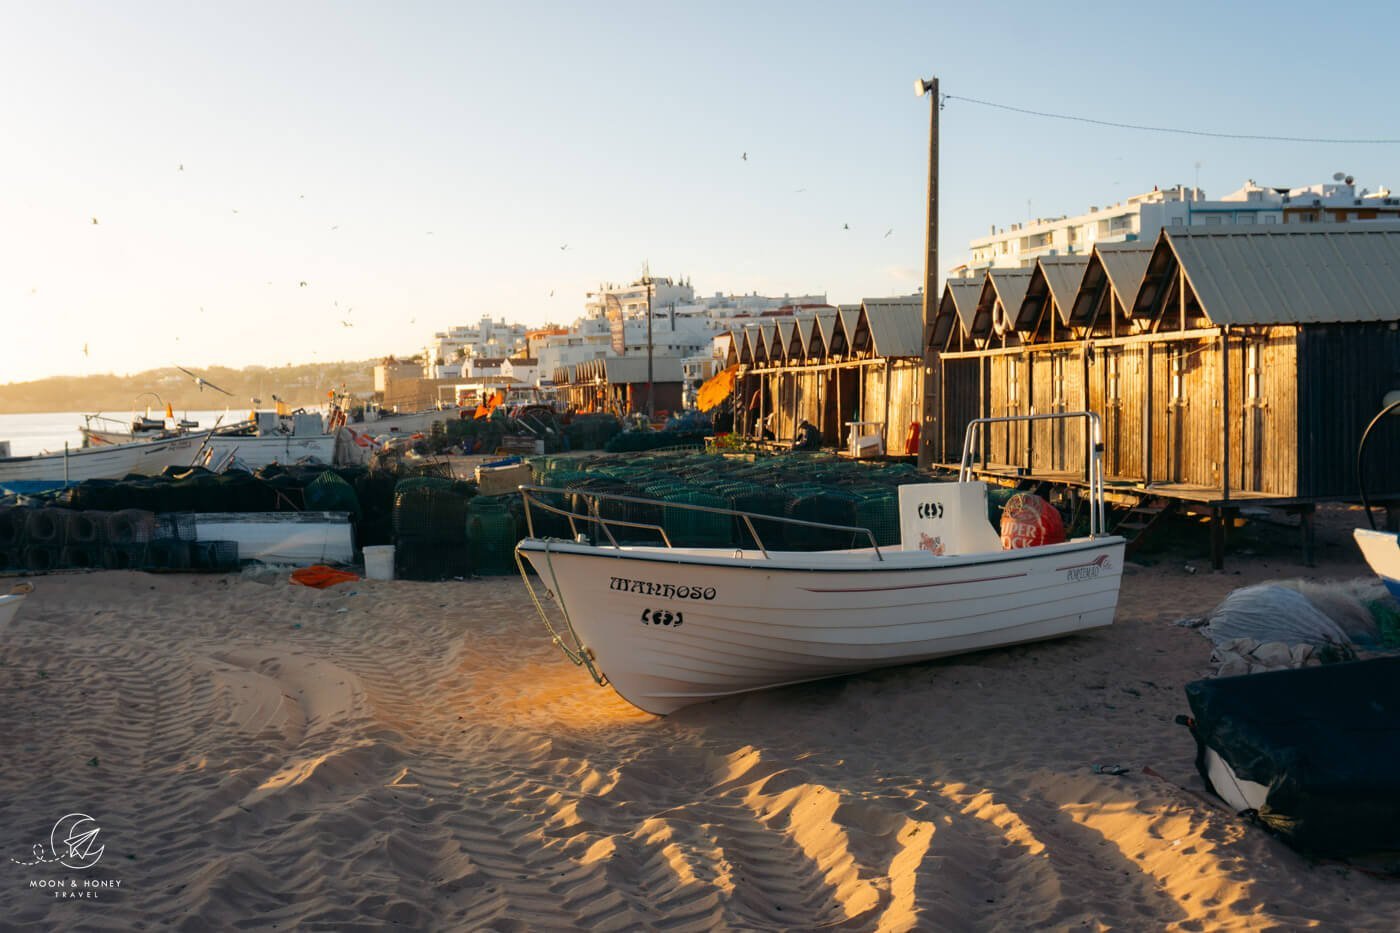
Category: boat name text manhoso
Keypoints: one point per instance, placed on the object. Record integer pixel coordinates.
(664, 590)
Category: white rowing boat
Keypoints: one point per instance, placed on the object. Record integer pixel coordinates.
(112, 461)
(671, 626)
(10, 603)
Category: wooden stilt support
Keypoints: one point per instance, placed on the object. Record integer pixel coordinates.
(1217, 538)
(1308, 535)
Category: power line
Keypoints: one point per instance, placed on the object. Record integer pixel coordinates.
(1169, 129)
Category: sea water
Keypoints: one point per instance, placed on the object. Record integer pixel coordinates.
(38, 432)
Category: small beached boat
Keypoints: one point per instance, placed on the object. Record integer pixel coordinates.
(671, 626)
(1382, 551)
(10, 603)
(110, 461)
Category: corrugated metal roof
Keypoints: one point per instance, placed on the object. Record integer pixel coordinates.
(961, 296)
(826, 323)
(782, 339)
(1054, 279)
(1005, 288)
(751, 337)
(1290, 274)
(847, 316)
(896, 325)
(1063, 274)
(1125, 265)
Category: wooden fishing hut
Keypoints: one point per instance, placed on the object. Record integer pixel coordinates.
(1232, 367)
(619, 384)
(856, 363)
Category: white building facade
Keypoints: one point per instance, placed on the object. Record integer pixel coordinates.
(1143, 215)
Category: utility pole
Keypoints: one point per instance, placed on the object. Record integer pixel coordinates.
(929, 424)
(651, 403)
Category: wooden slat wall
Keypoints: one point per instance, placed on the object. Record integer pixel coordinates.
(1043, 434)
(906, 390)
(961, 403)
(1344, 373)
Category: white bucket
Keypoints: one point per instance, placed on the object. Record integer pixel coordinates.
(379, 562)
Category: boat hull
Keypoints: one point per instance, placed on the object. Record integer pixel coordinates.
(9, 605)
(1382, 551)
(147, 458)
(671, 627)
(259, 451)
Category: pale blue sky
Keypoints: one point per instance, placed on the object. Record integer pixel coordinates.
(421, 164)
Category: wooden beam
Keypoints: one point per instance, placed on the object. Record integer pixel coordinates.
(1225, 411)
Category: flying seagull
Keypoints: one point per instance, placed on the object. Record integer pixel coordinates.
(889, 231)
(85, 352)
(745, 157)
(347, 324)
(562, 248)
(94, 221)
(845, 226)
(201, 381)
(301, 285)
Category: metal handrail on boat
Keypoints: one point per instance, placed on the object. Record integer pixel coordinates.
(1094, 467)
(593, 498)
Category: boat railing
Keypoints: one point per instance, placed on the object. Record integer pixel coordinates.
(531, 494)
(1093, 466)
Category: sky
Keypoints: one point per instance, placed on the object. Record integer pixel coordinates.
(270, 183)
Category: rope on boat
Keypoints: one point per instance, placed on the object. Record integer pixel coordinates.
(579, 654)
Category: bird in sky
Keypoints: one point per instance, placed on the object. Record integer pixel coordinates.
(889, 231)
(85, 352)
(201, 381)
(745, 157)
(551, 293)
(798, 190)
(94, 221)
(346, 324)
(301, 285)
(182, 166)
(336, 227)
(561, 249)
(845, 226)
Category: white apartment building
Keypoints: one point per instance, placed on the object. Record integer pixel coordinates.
(682, 324)
(443, 353)
(1143, 215)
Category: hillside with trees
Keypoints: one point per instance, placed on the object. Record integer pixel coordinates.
(300, 385)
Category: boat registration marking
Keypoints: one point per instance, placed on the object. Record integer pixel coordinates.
(664, 590)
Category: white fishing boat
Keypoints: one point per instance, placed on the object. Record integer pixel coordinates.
(670, 626)
(1382, 551)
(110, 461)
(10, 603)
(275, 438)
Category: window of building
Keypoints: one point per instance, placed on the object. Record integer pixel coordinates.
(1212, 220)
(1244, 218)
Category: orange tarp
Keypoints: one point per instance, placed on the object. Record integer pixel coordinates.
(320, 576)
(716, 389)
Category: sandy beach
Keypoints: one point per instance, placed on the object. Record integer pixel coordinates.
(417, 755)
